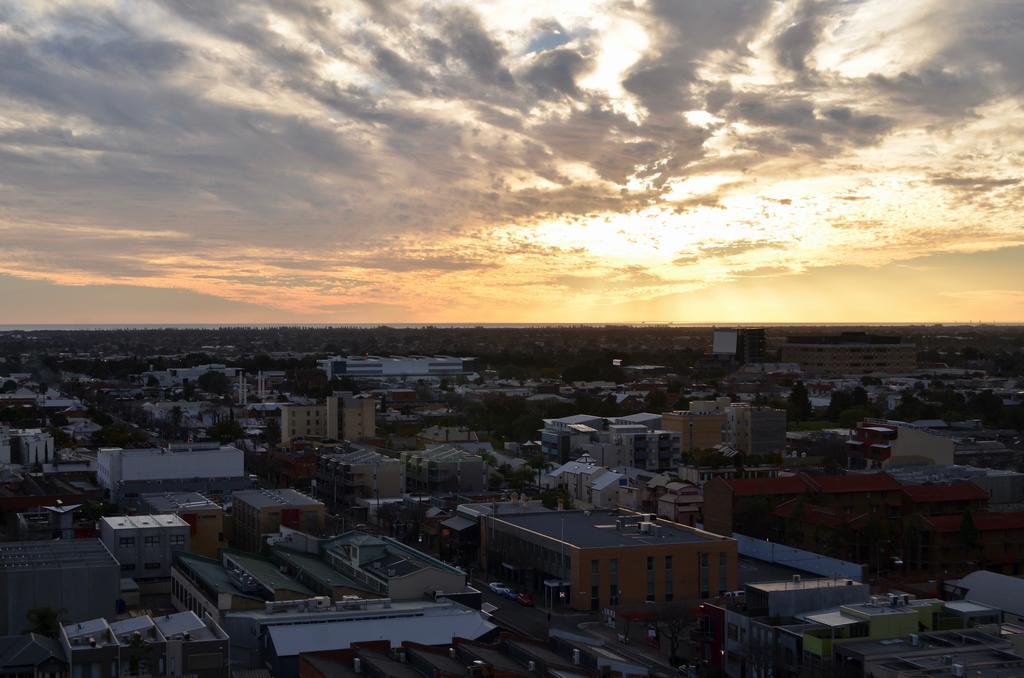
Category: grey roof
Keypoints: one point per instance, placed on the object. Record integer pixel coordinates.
(60, 554)
(597, 530)
(28, 650)
(458, 523)
(180, 623)
(446, 452)
(172, 502)
(435, 626)
(280, 497)
(995, 590)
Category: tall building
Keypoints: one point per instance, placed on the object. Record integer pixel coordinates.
(850, 353)
(756, 430)
(746, 345)
(261, 512)
(343, 417)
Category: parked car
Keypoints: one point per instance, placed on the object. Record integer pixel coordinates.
(525, 599)
(510, 594)
(499, 588)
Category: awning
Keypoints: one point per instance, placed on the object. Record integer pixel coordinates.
(458, 523)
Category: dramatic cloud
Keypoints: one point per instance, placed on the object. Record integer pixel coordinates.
(452, 161)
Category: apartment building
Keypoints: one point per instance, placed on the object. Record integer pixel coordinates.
(360, 474)
(850, 353)
(701, 427)
(344, 416)
(755, 430)
(145, 545)
(173, 645)
(590, 560)
(443, 468)
(261, 512)
(205, 518)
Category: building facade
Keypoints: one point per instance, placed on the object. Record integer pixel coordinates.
(145, 545)
(850, 353)
(365, 474)
(261, 512)
(205, 518)
(212, 469)
(591, 560)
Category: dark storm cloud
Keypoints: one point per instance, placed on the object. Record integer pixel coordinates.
(555, 72)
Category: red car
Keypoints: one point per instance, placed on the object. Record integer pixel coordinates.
(525, 599)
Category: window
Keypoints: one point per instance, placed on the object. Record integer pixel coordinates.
(668, 562)
(177, 540)
(128, 567)
(152, 566)
(702, 566)
(127, 541)
(151, 541)
(613, 595)
(650, 563)
(668, 590)
(723, 572)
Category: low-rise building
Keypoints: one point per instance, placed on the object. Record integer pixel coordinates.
(755, 430)
(210, 468)
(79, 577)
(364, 474)
(145, 545)
(173, 645)
(257, 513)
(850, 353)
(443, 468)
(204, 517)
(590, 560)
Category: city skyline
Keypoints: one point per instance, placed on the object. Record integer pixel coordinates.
(732, 162)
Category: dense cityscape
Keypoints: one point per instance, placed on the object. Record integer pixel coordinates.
(498, 501)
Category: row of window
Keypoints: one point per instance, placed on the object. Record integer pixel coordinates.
(173, 540)
(130, 567)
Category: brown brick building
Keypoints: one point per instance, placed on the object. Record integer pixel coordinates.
(259, 512)
(590, 560)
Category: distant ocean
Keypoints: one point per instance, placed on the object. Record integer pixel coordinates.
(415, 326)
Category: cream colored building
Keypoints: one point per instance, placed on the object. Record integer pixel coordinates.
(344, 417)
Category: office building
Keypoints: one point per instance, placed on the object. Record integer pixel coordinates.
(360, 474)
(173, 645)
(257, 513)
(205, 518)
(746, 345)
(443, 468)
(303, 422)
(397, 367)
(80, 577)
(590, 560)
(212, 469)
(145, 545)
(850, 353)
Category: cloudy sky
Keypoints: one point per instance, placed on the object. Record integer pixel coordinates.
(383, 161)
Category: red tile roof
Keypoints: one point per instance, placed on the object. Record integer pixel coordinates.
(854, 482)
(812, 514)
(966, 491)
(983, 521)
(752, 487)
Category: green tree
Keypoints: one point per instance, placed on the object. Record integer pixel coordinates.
(225, 431)
(44, 620)
(799, 403)
(215, 382)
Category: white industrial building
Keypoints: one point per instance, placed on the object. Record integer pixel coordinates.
(28, 446)
(210, 468)
(381, 367)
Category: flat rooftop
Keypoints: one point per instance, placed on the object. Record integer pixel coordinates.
(803, 584)
(597, 529)
(266, 498)
(24, 555)
(171, 502)
(144, 521)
